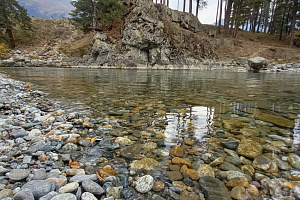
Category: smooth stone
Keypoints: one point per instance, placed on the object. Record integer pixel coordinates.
(18, 133)
(205, 170)
(18, 174)
(70, 187)
(176, 151)
(124, 180)
(174, 167)
(248, 169)
(239, 193)
(274, 119)
(25, 194)
(262, 162)
(58, 181)
(238, 181)
(174, 175)
(249, 148)
(49, 196)
(39, 188)
(226, 166)
(144, 184)
(124, 141)
(66, 196)
(253, 191)
(81, 177)
(145, 164)
(6, 193)
(73, 172)
(150, 146)
(40, 174)
(92, 187)
(233, 124)
(88, 196)
(193, 174)
(294, 160)
(158, 186)
(181, 161)
(230, 144)
(250, 132)
(214, 189)
(234, 174)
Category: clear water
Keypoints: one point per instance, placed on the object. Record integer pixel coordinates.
(181, 103)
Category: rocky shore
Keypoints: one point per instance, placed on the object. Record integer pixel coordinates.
(55, 59)
(48, 152)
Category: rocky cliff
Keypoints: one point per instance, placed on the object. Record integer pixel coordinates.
(152, 34)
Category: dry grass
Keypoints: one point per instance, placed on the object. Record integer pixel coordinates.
(258, 44)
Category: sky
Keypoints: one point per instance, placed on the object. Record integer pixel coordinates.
(206, 15)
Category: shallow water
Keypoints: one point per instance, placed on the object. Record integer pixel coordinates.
(182, 103)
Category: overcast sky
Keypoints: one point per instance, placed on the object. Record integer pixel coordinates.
(206, 15)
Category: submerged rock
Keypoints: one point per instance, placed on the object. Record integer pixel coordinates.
(249, 148)
(145, 163)
(214, 189)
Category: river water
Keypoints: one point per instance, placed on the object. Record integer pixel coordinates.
(182, 103)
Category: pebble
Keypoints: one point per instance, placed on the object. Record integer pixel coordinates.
(49, 196)
(66, 196)
(88, 196)
(25, 194)
(92, 187)
(70, 187)
(144, 184)
(18, 174)
(39, 188)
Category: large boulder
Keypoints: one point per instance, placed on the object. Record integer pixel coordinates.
(257, 63)
(147, 38)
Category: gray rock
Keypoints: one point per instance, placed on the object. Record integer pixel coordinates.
(92, 187)
(66, 196)
(39, 188)
(6, 193)
(257, 63)
(144, 184)
(39, 174)
(27, 159)
(214, 189)
(88, 196)
(18, 174)
(25, 194)
(49, 196)
(18, 133)
(81, 177)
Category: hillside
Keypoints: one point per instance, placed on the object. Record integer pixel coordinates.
(47, 9)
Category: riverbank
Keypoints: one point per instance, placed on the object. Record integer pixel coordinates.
(49, 150)
(58, 60)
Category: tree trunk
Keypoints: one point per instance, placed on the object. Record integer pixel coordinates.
(217, 13)
(247, 25)
(11, 37)
(168, 3)
(259, 20)
(197, 8)
(272, 17)
(293, 23)
(227, 17)
(191, 7)
(266, 17)
(220, 17)
(255, 19)
(184, 2)
(282, 22)
(287, 21)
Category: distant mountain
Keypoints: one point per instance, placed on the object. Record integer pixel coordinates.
(47, 9)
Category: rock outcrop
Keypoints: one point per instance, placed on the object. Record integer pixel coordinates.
(258, 63)
(152, 34)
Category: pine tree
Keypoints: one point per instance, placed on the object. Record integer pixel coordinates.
(12, 15)
(94, 14)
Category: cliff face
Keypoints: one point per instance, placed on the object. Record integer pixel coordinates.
(152, 34)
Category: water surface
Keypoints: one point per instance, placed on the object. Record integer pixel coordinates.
(181, 103)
